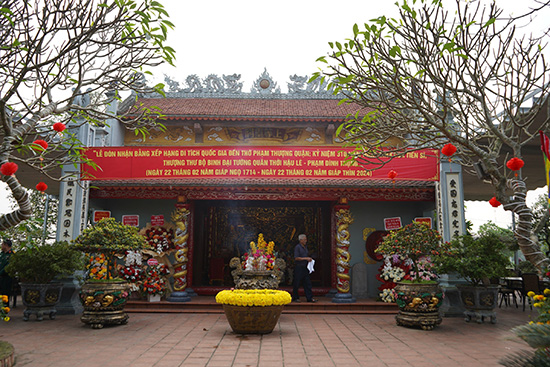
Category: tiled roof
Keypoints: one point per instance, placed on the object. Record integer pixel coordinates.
(247, 109)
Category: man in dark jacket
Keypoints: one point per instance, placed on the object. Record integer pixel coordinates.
(301, 272)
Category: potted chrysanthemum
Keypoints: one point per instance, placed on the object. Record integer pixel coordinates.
(253, 311)
(418, 296)
(104, 295)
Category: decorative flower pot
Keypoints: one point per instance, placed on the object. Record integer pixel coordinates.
(252, 319)
(257, 279)
(40, 299)
(418, 304)
(479, 302)
(104, 303)
(153, 297)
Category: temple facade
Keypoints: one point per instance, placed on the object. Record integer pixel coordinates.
(228, 165)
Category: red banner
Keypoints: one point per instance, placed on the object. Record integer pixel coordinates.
(117, 163)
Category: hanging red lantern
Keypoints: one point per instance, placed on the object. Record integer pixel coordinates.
(494, 202)
(515, 164)
(392, 174)
(41, 186)
(448, 149)
(39, 143)
(59, 127)
(8, 168)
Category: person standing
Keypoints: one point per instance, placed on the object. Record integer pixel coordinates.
(5, 280)
(301, 272)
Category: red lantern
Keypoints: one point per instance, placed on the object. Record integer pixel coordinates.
(515, 164)
(8, 168)
(494, 202)
(448, 150)
(41, 186)
(59, 127)
(392, 174)
(41, 143)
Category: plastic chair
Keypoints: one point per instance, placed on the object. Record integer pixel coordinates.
(529, 283)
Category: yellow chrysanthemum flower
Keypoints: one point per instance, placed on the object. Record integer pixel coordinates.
(7, 318)
(547, 291)
(530, 294)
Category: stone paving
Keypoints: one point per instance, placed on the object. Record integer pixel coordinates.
(166, 340)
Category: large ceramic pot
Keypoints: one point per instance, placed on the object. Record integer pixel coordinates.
(418, 304)
(104, 303)
(40, 299)
(252, 319)
(479, 302)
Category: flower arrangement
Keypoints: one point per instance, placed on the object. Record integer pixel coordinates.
(393, 270)
(154, 280)
(110, 238)
(96, 267)
(260, 256)
(416, 243)
(132, 271)
(253, 297)
(4, 309)
(160, 239)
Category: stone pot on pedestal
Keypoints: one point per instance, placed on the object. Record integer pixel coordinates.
(40, 299)
(479, 302)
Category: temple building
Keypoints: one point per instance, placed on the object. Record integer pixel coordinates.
(229, 165)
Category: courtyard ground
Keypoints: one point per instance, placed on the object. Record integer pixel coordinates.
(177, 339)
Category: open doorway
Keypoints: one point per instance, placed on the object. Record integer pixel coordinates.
(224, 229)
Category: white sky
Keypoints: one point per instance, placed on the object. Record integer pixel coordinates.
(285, 37)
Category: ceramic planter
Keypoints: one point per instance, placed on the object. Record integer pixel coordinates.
(418, 304)
(252, 319)
(104, 303)
(40, 299)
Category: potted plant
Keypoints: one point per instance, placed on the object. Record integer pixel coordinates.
(104, 295)
(36, 267)
(477, 260)
(253, 311)
(418, 246)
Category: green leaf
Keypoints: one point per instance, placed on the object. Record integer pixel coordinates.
(355, 30)
(395, 50)
(489, 22)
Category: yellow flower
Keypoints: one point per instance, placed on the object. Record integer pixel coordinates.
(5, 299)
(6, 309)
(7, 318)
(530, 294)
(547, 291)
(537, 304)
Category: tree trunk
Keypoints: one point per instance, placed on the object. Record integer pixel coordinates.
(527, 240)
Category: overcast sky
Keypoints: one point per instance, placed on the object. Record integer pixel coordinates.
(286, 37)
